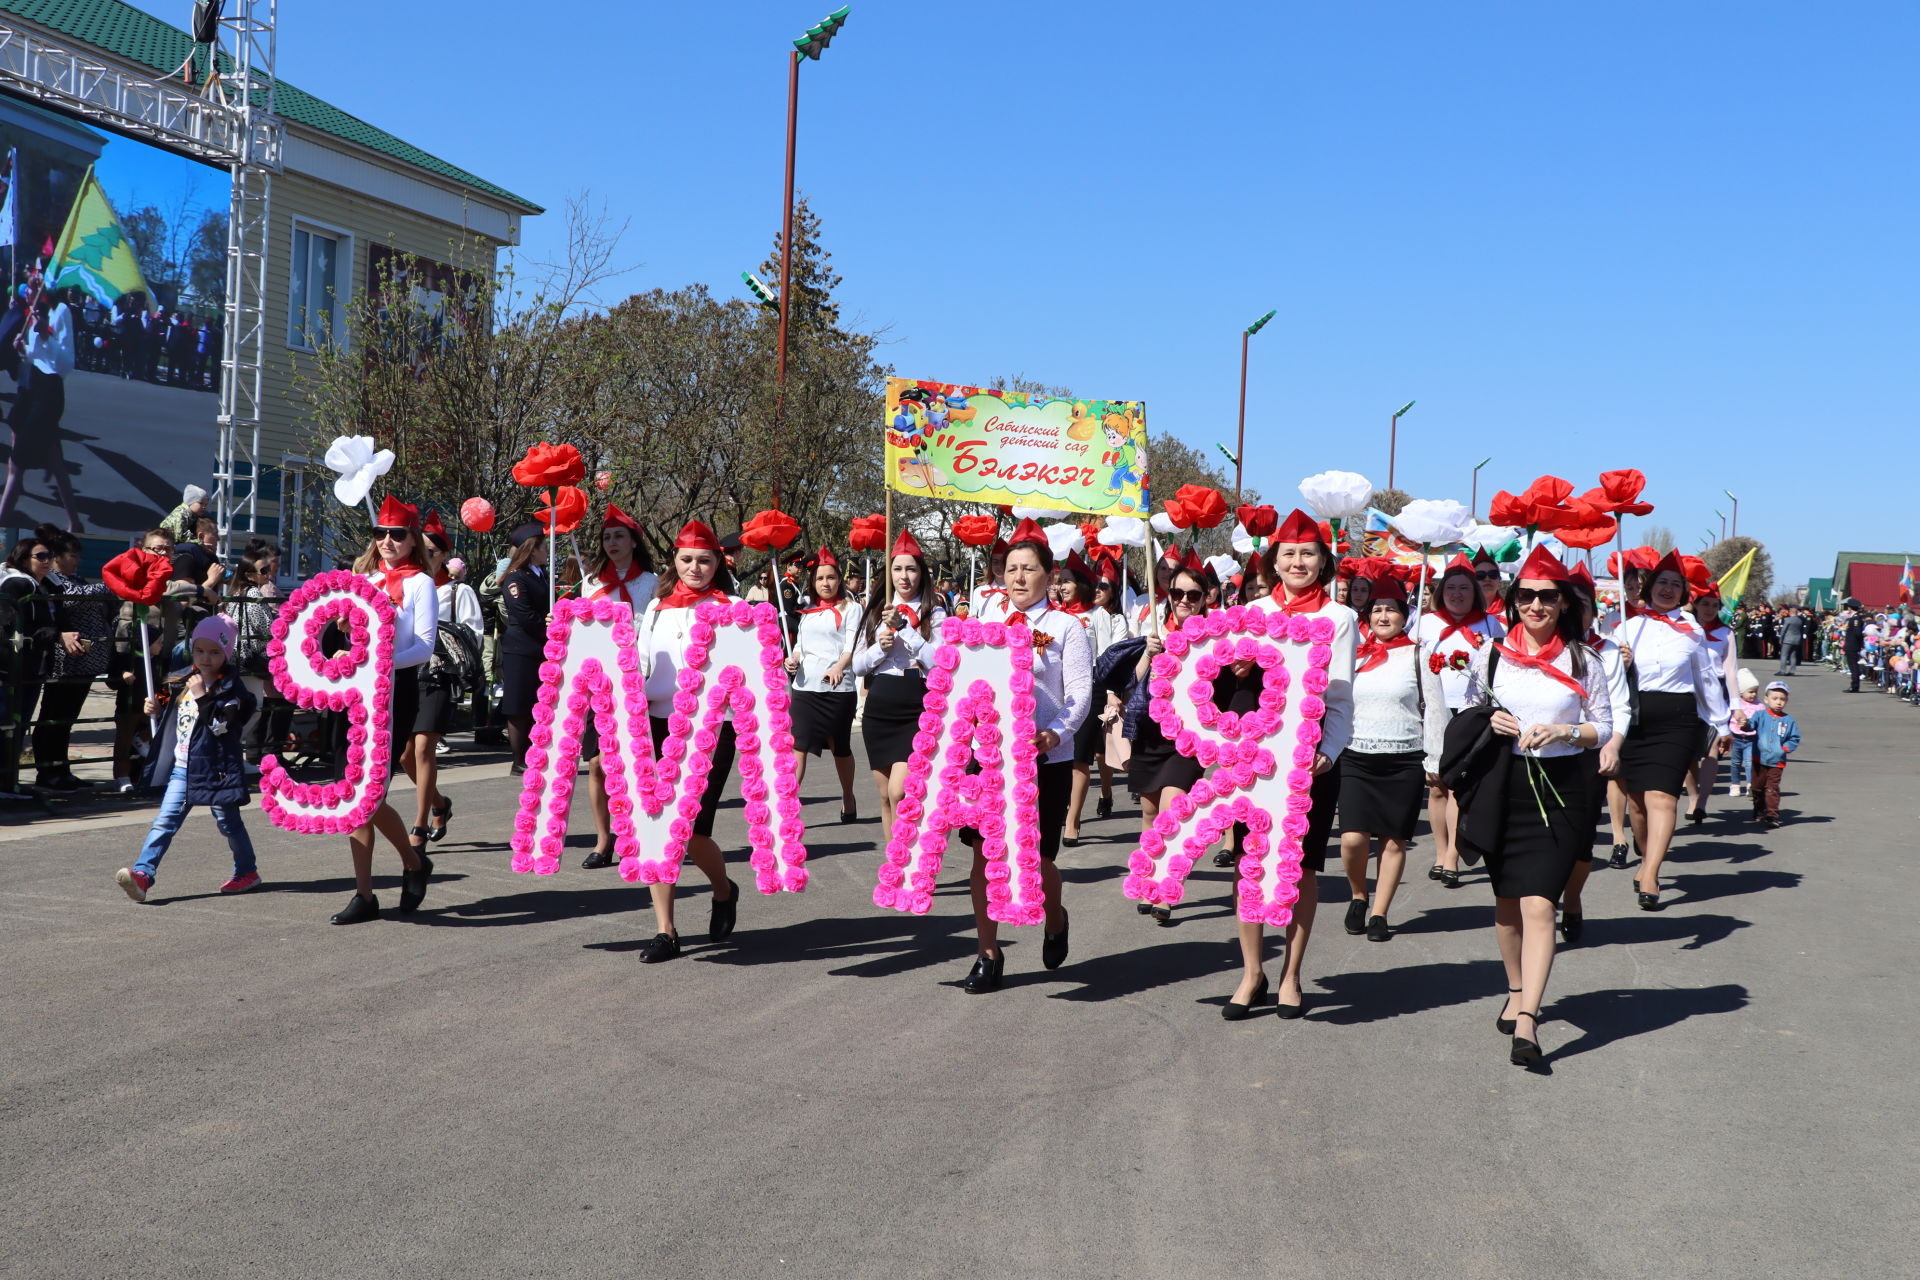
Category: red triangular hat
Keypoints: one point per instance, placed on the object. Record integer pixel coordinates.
(1000, 547)
(1387, 586)
(1582, 575)
(1459, 564)
(1299, 527)
(825, 556)
(1483, 556)
(907, 545)
(1191, 562)
(1027, 531)
(1543, 566)
(695, 536)
(1077, 566)
(1671, 560)
(1109, 569)
(432, 525)
(618, 519)
(395, 514)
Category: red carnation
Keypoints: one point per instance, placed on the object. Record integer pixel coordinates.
(139, 576)
(1622, 489)
(1259, 522)
(571, 509)
(770, 529)
(550, 464)
(976, 531)
(1196, 507)
(869, 533)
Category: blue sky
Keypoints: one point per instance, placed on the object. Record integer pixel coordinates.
(1583, 236)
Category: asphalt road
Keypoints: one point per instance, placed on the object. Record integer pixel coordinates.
(207, 1087)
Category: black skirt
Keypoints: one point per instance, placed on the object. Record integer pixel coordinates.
(519, 682)
(716, 777)
(1155, 765)
(892, 718)
(824, 721)
(1662, 745)
(1535, 856)
(1326, 801)
(436, 710)
(403, 711)
(1381, 795)
(1089, 740)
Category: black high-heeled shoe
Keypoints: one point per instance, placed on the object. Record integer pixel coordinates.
(1103, 808)
(720, 922)
(1226, 858)
(444, 812)
(1163, 913)
(1436, 871)
(1238, 1012)
(1505, 1025)
(1144, 908)
(1289, 1012)
(1619, 858)
(1053, 947)
(1572, 925)
(597, 859)
(1525, 1052)
(985, 975)
(413, 881)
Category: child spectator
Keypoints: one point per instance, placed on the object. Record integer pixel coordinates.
(1776, 736)
(1740, 727)
(198, 759)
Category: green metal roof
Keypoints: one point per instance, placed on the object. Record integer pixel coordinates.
(138, 37)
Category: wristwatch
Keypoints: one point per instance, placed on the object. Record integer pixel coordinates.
(1573, 734)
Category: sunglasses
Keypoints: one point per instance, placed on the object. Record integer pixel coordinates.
(392, 535)
(1182, 595)
(1490, 575)
(1527, 595)
(43, 555)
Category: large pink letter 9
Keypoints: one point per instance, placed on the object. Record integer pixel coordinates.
(357, 680)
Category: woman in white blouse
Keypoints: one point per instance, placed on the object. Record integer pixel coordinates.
(1076, 593)
(699, 573)
(1399, 719)
(1704, 777)
(393, 562)
(1550, 695)
(824, 698)
(1605, 763)
(1062, 692)
(622, 571)
(1449, 635)
(896, 652)
(1680, 690)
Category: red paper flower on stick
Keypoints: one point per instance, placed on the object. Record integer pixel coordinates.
(1622, 490)
(1259, 522)
(1596, 532)
(137, 575)
(569, 510)
(774, 530)
(869, 533)
(976, 531)
(547, 465)
(1196, 507)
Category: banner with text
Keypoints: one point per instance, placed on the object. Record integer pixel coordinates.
(1015, 449)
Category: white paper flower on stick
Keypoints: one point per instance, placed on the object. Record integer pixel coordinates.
(1487, 537)
(1243, 543)
(1035, 513)
(1336, 495)
(1434, 522)
(1224, 567)
(1124, 531)
(359, 465)
(1163, 523)
(1065, 539)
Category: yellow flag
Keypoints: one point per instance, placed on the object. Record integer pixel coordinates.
(93, 252)
(1733, 583)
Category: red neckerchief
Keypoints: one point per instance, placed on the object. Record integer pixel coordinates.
(832, 607)
(394, 581)
(1475, 616)
(1311, 601)
(1374, 652)
(683, 596)
(1683, 627)
(1541, 661)
(1713, 635)
(911, 614)
(610, 582)
(441, 578)
(1076, 608)
(1593, 640)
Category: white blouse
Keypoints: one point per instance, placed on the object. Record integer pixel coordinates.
(827, 633)
(1336, 727)
(460, 603)
(1619, 692)
(910, 652)
(1398, 707)
(1670, 661)
(1469, 640)
(664, 635)
(1062, 674)
(1534, 697)
(1106, 629)
(640, 590)
(416, 620)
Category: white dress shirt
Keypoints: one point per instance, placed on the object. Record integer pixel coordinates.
(827, 633)
(1666, 660)
(664, 636)
(1534, 697)
(52, 352)
(1062, 673)
(1336, 727)
(416, 620)
(1398, 707)
(910, 652)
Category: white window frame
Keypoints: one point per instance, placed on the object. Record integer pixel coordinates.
(343, 284)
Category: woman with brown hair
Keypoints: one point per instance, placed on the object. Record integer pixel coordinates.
(393, 562)
(523, 641)
(1156, 772)
(894, 659)
(624, 571)
(824, 698)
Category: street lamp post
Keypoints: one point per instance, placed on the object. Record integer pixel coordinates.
(1723, 523)
(812, 44)
(1393, 438)
(1736, 512)
(1473, 502)
(1240, 440)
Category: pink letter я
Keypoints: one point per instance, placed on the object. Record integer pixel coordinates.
(1260, 762)
(593, 668)
(357, 678)
(982, 662)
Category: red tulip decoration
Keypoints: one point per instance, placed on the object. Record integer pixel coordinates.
(1622, 490)
(976, 531)
(563, 510)
(1259, 522)
(477, 514)
(1196, 507)
(1596, 530)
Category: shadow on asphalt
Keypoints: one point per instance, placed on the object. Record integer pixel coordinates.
(1701, 930)
(1727, 884)
(1156, 963)
(1606, 1016)
(548, 902)
(1448, 919)
(892, 943)
(1717, 851)
(1351, 998)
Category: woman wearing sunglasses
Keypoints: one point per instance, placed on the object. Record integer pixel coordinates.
(1549, 694)
(1450, 633)
(1300, 563)
(394, 563)
(1156, 772)
(1679, 688)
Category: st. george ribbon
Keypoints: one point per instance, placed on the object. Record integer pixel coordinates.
(733, 664)
(1260, 762)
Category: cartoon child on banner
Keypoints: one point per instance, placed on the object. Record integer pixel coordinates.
(1261, 761)
(1127, 437)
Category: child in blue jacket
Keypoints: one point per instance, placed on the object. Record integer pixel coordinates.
(197, 758)
(1776, 736)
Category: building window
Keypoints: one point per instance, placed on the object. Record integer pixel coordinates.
(317, 288)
